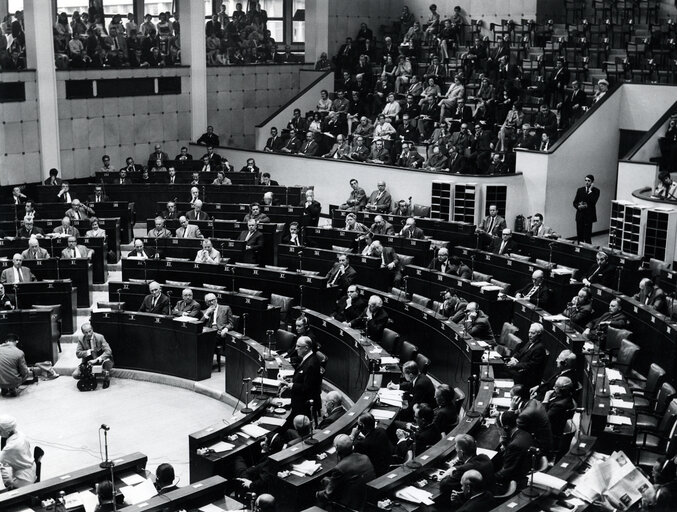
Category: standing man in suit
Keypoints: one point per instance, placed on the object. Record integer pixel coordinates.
(17, 273)
(74, 251)
(527, 363)
(93, 349)
(7, 300)
(417, 385)
(505, 245)
(585, 203)
(187, 306)
(217, 316)
(652, 296)
(157, 302)
(187, 230)
(253, 239)
(311, 209)
(559, 406)
(140, 252)
(341, 274)
(34, 251)
(380, 199)
(351, 306)
(389, 261)
(536, 292)
(515, 458)
(532, 416)
(306, 383)
(357, 198)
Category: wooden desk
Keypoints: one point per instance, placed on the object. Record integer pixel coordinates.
(60, 292)
(38, 330)
(154, 343)
(197, 494)
(184, 174)
(236, 211)
(73, 481)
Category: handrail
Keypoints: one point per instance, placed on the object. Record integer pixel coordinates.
(295, 98)
(651, 132)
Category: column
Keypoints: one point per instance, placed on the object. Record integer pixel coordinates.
(194, 54)
(317, 29)
(39, 18)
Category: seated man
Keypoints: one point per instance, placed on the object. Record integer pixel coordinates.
(65, 229)
(476, 323)
(381, 226)
(418, 388)
(565, 366)
(389, 261)
(341, 274)
(357, 199)
(274, 142)
(667, 188)
(7, 300)
(372, 441)
(379, 153)
(171, 212)
(140, 252)
(196, 213)
(207, 254)
(602, 272)
(652, 296)
(13, 369)
(345, 484)
(446, 414)
(402, 208)
(425, 434)
(460, 269)
(105, 498)
(194, 193)
(187, 230)
(493, 224)
(596, 329)
(250, 166)
(93, 349)
(579, 310)
(515, 461)
(505, 245)
(353, 225)
(333, 404)
(532, 416)
(16, 454)
(75, 250)
(95, 231)
(441, 263)
(18, 197)
(536, 292)
(156, 302)
(17, 273)
(468, 459)
(269, 199)
(380, 199)
(452, 306)
(165, 479)
(476, 495)
(309, 146)
(410, 230)
(221, 179)
(537, 228)
(266, 181)
(253, 239)
(217, 316)
(34, 251)
(79, 211)
(294, 236)
(159, 231)
(28, 230)
(560, 407)
(311, 209)
(64, 195)
(374, 320)
(351, 306)
(527, 363)
(187, 306)
(256, 214)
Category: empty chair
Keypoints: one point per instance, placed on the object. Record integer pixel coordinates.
(408, 352)
(479, 276)
(459, 399)
(390, 342)
(422, 362)
(649, 421)
(614, 337)
(284, 341)
(505, 287)
(421, 210)
(420, 299)
(651, 445)
(285, 304)
(248, 291)
(520, 257)
(626, 356)
(645, 390)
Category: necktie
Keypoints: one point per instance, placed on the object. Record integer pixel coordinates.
(216, 310)
(443, 268)
(337, 275)
(154, 302)
(491, 226)
(185, 232)
(77, 215)
(122, 181)
(531, 292)
(73, 252)
(21, 277)
(500, 251)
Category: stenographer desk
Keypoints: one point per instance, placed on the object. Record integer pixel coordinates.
(244, 357)
(139, 193)
(159, 344)
(432, 284)
(37, 329)
(457, 233)
(49, 293)
(79, 272)
(78, 480)
(303, 288)
(326, 238)
(656, 334)
(283, 214)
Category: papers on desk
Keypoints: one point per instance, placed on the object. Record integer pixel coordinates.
(132, 479)
(221, 447)
(188, 319)
(272, 420)
(268, 384)
(491, 288)
(613, 374)
(382, 414)
(501, 401)
(390, 360)
(615, 389)
(254, 430)
(549, 482)
(489, 453)
(415, 495)
(137, 493)
(392, 397)
(504, 383)
(621, 404)
(73, 500)
(285, 373)
(561, 271)
(480, 284)
(307, 467)
(210, 507)
(89, 500)
(555, 318)
(618, 420)
(482, 344)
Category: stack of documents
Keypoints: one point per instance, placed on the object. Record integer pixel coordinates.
(390, 360)
(501, 401)
(382, 414)
(613, 374)
(307, 467)
(271, 420)
(555, 318)
(391, 397)
(254, 430)
(221, 446)
(415, 495)
(549, 482)
(135, 494)
(269, 385)
(622, 404)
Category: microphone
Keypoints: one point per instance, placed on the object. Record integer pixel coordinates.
(104, 427)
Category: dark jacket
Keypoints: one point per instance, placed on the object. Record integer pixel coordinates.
(510, 246)
(376, 445)
(540, 298)
(254, 246)
(478, 462)
(478, 503)
(604, 274)
(588, 214)
(446, 418)
(421, 391)
(306, 385)
(346, 483)
(311, 213)
(161, 308)
(516, 459)
(559, 410)
(533, 418)
(348, 314)
(332, 417)
(656, 299)
(191, 308)
(345, 280)
(529, 369)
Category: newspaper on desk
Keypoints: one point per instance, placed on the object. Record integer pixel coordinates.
(616, 478)
(392, 397)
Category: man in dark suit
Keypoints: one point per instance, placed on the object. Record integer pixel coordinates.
(28, 230)
(579, 310)
(209, 138)
(468, 459)
(516, 461)
(17, 273)
(156, 302)
(217, 316)
(597, 328)
(18, 197)
(493, 224)
(53, 180)
(171, 212)
(531, 416)
(294, 237)
(306, 383)
(140, 252)
(346, 484)
(274, 142)
(460, 269)
(410, 230)
(253, 239)
(389, 261)
(536, 292)
(505, 245)
(187, 306)
(122, 178)
(445, 414)
(132, 168)
(476, 323)
(213, 158)
(425, 434)
(311, 209)
(98, 196)
(572, 106)
(453, 306)
(292, 144)
(333, 404)
(7, 301)
(603, 272)
(373, 441)
(565, 366)
(184, 156)
(585, 203)
(374, 319)
(560, 407)
(441, 263)
(351, 306)
(341, 274)
(380, 199)
(527, 363)
(196, 213)
(652, 296)
(478, 498)
(357, 199)
(309, 146)
(418, 386)
(157, 154)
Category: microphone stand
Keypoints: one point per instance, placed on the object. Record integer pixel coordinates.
(299, 254)
(145, 271)
(106, 463)
(269, 355)
(530, 492)
(246, 409)
(373, 365)
(244, 323)
(301, 296)
(16, 295)
(551, 246)
(413, 463)
(619, 271)
(472, 387)
(16, 220)
(310, 440)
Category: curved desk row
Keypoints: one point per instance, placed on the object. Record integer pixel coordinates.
(38, 330)
(49, 293)
(78, 271)
(303, 288)
(236, 211)
(184, 173)
(138, 193)
(159, 344)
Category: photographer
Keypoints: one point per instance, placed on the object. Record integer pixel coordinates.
(93, 349)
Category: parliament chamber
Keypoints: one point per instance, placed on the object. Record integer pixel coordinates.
(387, 255)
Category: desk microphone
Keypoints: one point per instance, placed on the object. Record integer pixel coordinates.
(104, 427)
(310, 440)
(244, 323)
(16, 295)
(246, 409)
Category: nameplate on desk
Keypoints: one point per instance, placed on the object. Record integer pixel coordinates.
(115, 205)
(635, 309)
(175, 241)
(487, 257)
(316, 253)
(282, 275)
(131, 317)
(509, 263)
(324, 324)
(668, 329)
(197, 486)
(196, 265)
(406, 307)
(467, 348)
(231, 244)
(425, 315)
(38, 263)
(249, 348)
(64, 477)
(125, 287)
(158, 320)
(247, 300)
(653, 319)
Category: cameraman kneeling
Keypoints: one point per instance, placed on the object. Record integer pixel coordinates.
(93, 349)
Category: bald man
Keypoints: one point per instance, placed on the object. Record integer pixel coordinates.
(536, 292)
(380, 199)
(187, 306)
(17, 273)
(306, 383)
(217, 316)
(478, 499)
(560, 406)
(264, 503)
(65, 229)
(34, 251)
(441, 263)
(333, 404)
(16, 454)
(79, 211)
(156, 302)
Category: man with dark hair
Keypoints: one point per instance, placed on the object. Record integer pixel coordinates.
(7, 300)
(256, 214)
(209, 138)
(602, 272)
(579, 310)
(532, 416)
(446, 415)
(452, 305)
(253, 239)
(274, 143)
(667, 188)
(373, 441)
(357, 198)
(515, 461)
(652, 296)
(426, 434)
(165, 480)
(104, 493)
(341, 274)
(418, 387)
(468, 459)
(351, 306)
(597, 328)
(294, 236)
(476, 323)
(13, 369)
(585, 202)
(53, 178)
